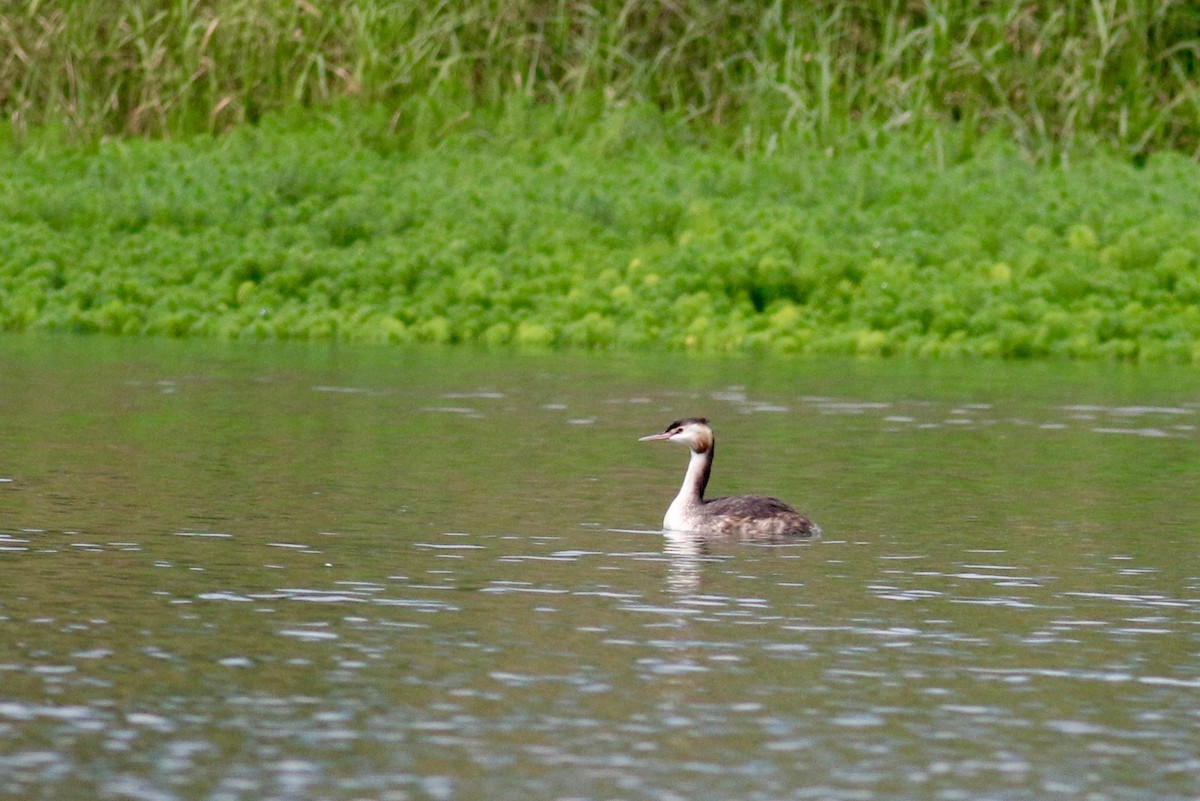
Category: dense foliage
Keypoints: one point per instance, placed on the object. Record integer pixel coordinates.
(1122, 72)
(612, 240)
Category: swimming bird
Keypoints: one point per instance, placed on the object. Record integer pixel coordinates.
(749, 516)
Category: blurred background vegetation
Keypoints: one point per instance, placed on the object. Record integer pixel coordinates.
(933, 178)
(758, 73)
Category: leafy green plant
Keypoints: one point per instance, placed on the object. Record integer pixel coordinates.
(308, 232)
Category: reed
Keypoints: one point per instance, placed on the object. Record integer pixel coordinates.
(760, 72)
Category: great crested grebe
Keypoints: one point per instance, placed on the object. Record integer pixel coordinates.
(743, 515)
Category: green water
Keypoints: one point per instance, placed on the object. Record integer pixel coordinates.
(254, 572)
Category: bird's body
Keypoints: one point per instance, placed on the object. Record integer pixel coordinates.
(750, 516)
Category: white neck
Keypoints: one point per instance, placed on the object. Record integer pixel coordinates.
(691, 494)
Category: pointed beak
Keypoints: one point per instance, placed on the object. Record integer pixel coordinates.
(655, 437)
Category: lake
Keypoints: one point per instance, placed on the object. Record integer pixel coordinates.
(278, 571)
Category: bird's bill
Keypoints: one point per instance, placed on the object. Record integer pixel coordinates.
(655, 437)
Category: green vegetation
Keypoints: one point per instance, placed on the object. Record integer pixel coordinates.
(1121, 72)
(629, 237)
(871, 177)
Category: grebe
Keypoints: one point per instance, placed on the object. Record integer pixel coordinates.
(744, 515)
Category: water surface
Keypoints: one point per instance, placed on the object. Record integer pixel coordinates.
(246, 572)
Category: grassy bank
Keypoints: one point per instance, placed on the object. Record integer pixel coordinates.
(1121, 72)
(611, 240)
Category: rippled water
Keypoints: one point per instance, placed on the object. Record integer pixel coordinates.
(236, 572)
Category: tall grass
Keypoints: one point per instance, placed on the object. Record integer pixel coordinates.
(1121, 72)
